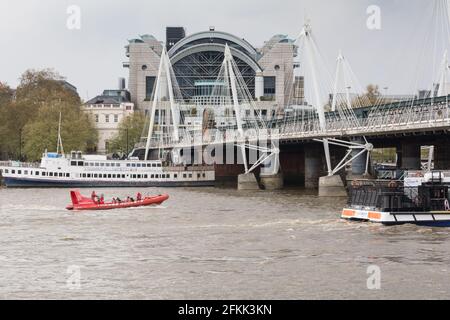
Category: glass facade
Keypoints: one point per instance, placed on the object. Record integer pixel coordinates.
(206, 65)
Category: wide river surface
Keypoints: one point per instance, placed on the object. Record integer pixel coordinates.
(212, 244)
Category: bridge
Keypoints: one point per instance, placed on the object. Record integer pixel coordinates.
(339, 117)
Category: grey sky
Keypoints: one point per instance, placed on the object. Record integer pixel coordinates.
(33, 34)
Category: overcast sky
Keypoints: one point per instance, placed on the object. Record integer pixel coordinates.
(33, 34)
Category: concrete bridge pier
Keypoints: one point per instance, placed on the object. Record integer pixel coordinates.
(410, 155)
(442, 155)
(313, 165)
(332, 186)
(247, 181)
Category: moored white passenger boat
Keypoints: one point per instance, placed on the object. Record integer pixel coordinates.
(78, 170)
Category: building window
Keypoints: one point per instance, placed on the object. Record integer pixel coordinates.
(269, 86)
(106, 118)
(96, 118)
(149, 84)
(116, 118)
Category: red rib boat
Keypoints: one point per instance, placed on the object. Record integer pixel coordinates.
(83, 203)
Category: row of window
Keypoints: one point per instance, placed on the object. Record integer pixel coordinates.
(37, 173)
(107, 118)
(115, 164)
(105, 176)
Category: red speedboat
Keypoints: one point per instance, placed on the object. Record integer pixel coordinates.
(83, 203)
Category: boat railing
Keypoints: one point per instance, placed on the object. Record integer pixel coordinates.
(394, 196)
(18, 164)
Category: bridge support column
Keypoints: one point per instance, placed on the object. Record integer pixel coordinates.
(313, 165)
(442, 156)
(410, 156)
(247, 181)
(272, 182)
(332, 186)
(359, 164)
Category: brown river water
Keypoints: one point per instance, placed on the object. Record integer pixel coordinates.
(211, 244)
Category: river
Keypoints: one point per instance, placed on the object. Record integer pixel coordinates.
(212, 243)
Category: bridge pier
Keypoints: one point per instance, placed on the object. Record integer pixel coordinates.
(359, 164)
(332, 186)
(410, 155)
(313, 165)
(247, 181)
(442, 155)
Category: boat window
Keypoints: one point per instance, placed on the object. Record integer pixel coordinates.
(109, 176)
(149, 165)
(73, 163)
(19, 171)
(198, 175)
(89, 175)
(67, 175)
(80, 163)
(133, 165)
(83, 175)
(117, 164)
(95, 175)
(184, 175)
(139, 176)
(138, 165)
(104, 176)
(145, 176)
(107, 164)
(36, 173)
(128, 164)
(44, 174)
(123, 176)
(175, 175)
(6, 171)
(50, 174)
(204, 175)
(102, 164)
(158, 164)
(134, 176)
(96, 164)
(25, 172)
(13, 171)
(190, 175)
(152, 176)
(60, 174)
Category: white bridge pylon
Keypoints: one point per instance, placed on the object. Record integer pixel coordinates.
(164, 88)
(236, 87)
(341, 105)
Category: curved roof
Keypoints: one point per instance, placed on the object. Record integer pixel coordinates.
(208, 35)
(214, 47)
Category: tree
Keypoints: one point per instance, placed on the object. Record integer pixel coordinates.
(77, 130)
(6, 94)
(373, 94)
(29, 123)
(130, 132)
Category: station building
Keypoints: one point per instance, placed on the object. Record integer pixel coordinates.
(197, 58)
